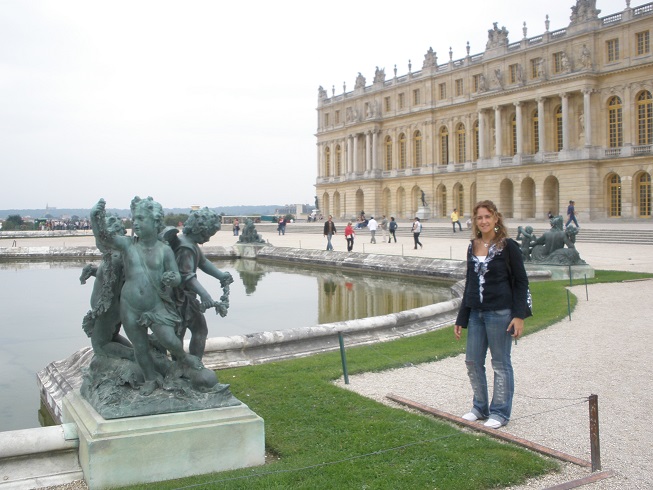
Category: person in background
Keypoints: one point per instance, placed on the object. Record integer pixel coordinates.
(349, 236)
(571, 214)
(417, 229)
(372, 224)
(384, 226)
(393, 228)
(455, 220)
(494, 305)
(329, 231)
(236, 227)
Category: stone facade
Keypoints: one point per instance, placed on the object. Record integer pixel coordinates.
(530, 124)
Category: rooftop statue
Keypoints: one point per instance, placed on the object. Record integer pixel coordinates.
(496, 37)
(583, 11)
(430, 59)
(360, 81)
(379, 75)
(116, 386)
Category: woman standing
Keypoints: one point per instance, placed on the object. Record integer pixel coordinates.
(417, 229)
(349, 236)
(393, 229)
(495, 302)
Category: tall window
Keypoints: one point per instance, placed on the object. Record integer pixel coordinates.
(644, 193)
(388, 104)
(559, 141)
(512, 73)
(476, 143)
(388, 153)
(417, 149)
(614, 196)
(615, 123)
(557, 62)
(459, 200)
(326, 119)
(477, 82)
(444, 146)
(612, 48)
(327, 162)
(644, 118)
(513, 134)
(535, 64)
(443, 91)
(460, 143)
(417, 97)
(402, 100)
(338, 160)
(337, 117)
(535, 136)
(642, 40)
(402, 151)
(459, 87)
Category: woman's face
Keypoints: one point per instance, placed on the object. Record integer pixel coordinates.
(486, 220)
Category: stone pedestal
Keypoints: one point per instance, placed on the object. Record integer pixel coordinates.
(423, 212)
(135, 450)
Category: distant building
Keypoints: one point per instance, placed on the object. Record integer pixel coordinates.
(297, 210)
(530, 124)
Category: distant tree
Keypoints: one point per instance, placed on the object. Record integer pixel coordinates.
(172, 219)
(74, 217)
(13, 222)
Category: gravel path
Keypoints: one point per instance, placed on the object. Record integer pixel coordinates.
(604, 350)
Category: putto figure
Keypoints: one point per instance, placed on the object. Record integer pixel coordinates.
(198, 229)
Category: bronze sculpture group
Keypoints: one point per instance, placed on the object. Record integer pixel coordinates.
(147, 284)
(550, 247)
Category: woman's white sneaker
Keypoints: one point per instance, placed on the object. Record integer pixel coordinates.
(493, 423)
(471, 416)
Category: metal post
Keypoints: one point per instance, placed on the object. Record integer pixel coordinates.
(343, 356)
(594, 433)
(570, 282)
(568, 305)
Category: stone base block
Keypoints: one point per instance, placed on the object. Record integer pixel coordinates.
(559, 272)
(153, 448)
(423, 212)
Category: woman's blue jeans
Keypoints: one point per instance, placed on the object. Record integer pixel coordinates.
(489, 329)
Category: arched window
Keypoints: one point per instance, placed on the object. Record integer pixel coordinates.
(475, 143)
(535, 132)
(459, 199)
(614, 196)
(402, 151)
(644, 118)
(388, 153)
(644, 195)
(615, 123)
(558, 114)
(444, 146)
(460, 144)
(417, 149)
(327, 162)
(513, 134)
(338, 160)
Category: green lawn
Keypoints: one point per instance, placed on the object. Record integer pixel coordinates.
(319, 436)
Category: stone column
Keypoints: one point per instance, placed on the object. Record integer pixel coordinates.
(520, 130)
(541, 133)
(498, 131)
(349, 155)
(587, 114)
(481, 135)
(565, 120)
(375, 151)
(368, 151)
(355, 159)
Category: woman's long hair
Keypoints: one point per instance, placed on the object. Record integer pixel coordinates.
(501, 233)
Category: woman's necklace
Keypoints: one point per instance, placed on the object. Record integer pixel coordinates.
(486, 244)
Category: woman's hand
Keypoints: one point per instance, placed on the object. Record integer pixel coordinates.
(516, 327)
(457, 330)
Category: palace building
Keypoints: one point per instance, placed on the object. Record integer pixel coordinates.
(529, 124)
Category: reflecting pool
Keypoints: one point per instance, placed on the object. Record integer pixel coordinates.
(44, 303)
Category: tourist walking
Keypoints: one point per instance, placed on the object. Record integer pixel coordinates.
(329, 231)
(236, 227)
(282, 226)
(349, 236)
(417, 229)
(571, 214)
(393, 228)
(455, 220)
(372, 224)
(384, 226)
(494, 304)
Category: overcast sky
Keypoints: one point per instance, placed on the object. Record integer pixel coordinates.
(205, 102)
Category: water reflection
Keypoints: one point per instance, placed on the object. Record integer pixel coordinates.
(44, 303)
